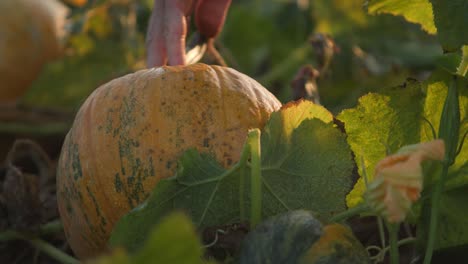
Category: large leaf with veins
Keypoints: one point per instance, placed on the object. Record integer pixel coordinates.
(306, 164)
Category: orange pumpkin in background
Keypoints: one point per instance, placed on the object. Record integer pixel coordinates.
(78, 3)
(131, 131)
(30, 35)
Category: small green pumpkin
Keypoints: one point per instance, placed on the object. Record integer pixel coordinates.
(298, 237)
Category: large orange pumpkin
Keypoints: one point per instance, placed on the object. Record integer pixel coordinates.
(130, 132)
(30, 36)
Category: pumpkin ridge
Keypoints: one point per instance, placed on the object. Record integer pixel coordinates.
(223, 107)
(89, 120)
(93, 157)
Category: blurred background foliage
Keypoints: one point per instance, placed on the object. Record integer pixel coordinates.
(268, 40)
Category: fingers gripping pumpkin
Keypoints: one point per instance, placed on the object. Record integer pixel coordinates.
(130, 132)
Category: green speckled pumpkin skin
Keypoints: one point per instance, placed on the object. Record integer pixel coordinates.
(130, 132)
(298, 237)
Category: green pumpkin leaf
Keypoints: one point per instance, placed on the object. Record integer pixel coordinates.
(306, 164)
(450, 61)
(455, 62)
(400, 116)
(173, 240)
(383, 123)
(436, 92)
(198, 188)
(446, 18)
(463, 66)
(451, 20)
(452, 230)
(415, 11)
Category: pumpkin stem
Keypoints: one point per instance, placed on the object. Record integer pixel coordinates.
(214, 52)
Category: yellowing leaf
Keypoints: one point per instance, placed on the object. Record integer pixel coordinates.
(415, 11)
(383, 123)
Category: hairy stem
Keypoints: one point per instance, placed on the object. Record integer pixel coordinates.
(243, 173)
(393, 237)
(255, 177)
(434, 214)
(448, 131)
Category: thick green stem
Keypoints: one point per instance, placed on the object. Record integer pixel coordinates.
(255, 177)
(243, 173)
(393, 237)
(449, 130)
(435, 213)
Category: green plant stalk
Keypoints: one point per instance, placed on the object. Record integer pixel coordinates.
(449, 132)
(51, 227)
(41, 245)
(8, 235)
(381, 231)
(255, 177)
(402, 242)
(382, 251)
(450, 122)
(53, 252)
(243, 173)
(357, 210)
(40, 130)
(393, 237)
(435, 213)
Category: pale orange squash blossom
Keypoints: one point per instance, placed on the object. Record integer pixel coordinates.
(398, 179)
